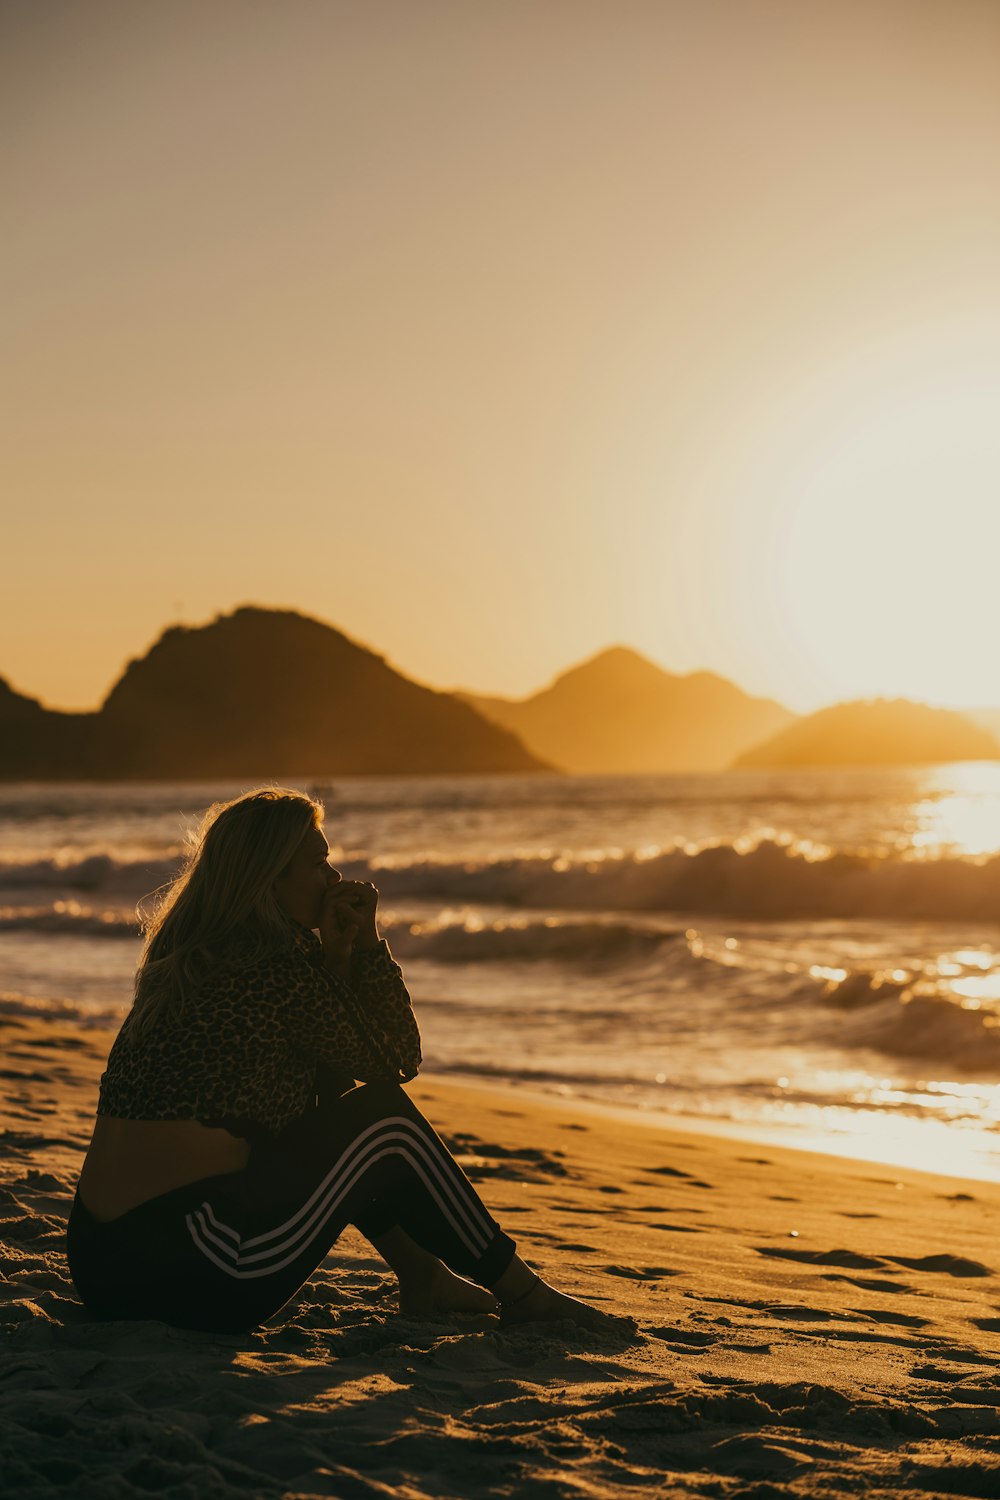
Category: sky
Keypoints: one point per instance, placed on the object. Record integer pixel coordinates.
(497, 333)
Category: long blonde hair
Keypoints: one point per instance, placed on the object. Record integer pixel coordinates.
(221, 909)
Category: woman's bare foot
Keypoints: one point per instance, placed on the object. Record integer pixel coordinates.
(440, 1290)
(426, 1286)
(526, 1298)
(543, 1304)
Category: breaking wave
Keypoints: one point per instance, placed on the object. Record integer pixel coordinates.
(88, 872)
(471, 940)
(67, 919)
(768, 881)
(936, 1030)
(916, 1021)
(51, 1009)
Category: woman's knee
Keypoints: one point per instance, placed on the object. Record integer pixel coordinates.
(378, 1098)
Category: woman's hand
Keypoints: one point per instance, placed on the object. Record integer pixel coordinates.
(347, 921)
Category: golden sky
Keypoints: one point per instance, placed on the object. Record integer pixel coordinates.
(497, 332)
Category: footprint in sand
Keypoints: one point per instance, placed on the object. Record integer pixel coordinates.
(936, 1372)
(59, 1043)
(871, 1283)
(640, 1273)
(866, 1336)
(792, 1312)
(689, 1181)
(658, 1208)
(886, 1315)
(691, 1340)
(848, 1258)
(945, 1265)
(18, 1141)
(517, 1164)
(988, 1325)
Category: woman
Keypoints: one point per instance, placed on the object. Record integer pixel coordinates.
(231, 1146)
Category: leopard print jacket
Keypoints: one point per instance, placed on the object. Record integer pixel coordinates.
(261, 1041)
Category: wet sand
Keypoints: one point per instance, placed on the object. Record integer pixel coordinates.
(805, 1326)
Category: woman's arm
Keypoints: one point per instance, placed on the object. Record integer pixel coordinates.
(354, 952)
(377, 980)
(362, 1024)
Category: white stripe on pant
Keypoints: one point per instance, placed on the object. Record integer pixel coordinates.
(390, 1128)
(464, 1213)
(450, 1177)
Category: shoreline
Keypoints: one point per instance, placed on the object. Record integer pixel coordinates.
(929, 1140)
(804, 1325)
(792, 1138)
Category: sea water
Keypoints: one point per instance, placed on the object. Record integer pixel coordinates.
(808, 957)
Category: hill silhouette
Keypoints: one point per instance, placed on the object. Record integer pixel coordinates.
(619, 712)
(255, 694)
(881, 731)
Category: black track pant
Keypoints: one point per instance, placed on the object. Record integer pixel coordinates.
(225, 1253)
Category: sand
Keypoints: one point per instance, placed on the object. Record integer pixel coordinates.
(804, 1326)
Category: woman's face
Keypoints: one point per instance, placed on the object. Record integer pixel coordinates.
(306, 880)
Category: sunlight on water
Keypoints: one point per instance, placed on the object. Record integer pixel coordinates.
(924, 1145)
(880, 1124)
(968, 958)
(977, 988)
(939, 1126)
(959, 811)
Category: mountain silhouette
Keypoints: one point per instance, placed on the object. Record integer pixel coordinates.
(619, 712)
(261, 693)
(252, 695)
(881, 731)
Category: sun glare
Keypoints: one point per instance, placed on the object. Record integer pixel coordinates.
(959, 813)
(885, 540)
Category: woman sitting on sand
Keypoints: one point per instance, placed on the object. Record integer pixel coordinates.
(231, 1146)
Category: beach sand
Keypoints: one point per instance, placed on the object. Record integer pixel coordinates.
(805, 1326)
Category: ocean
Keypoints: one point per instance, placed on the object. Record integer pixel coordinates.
(810, 958)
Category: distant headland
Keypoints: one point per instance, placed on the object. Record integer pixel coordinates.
(881, 732)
